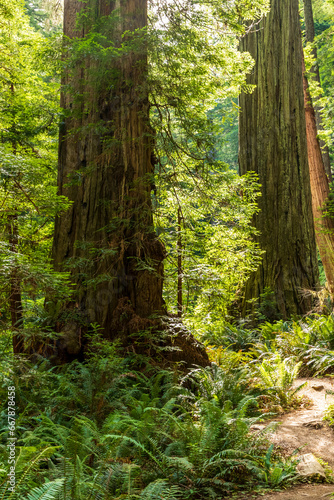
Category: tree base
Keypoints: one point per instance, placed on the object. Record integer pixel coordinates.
(161, 340)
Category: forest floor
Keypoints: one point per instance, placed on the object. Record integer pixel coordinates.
(305, 429)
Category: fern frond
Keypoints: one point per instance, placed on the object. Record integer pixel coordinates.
(161, 489)
(48, 491)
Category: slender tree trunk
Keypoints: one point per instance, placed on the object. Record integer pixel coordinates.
(324, 226)
(107, 237)
(309, 31)
(15, 298)
(273, 144)
(179, 265)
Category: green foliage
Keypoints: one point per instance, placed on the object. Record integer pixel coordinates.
(224, 118)
(309, 341)
(102, 430)
(27, 465)
(276, 474)
(329, 415)
(222, 384)
(322, 95)
(194, 74)
(49, 491)
(44, 15)
(277, 375)
(217, 251)
(234, 337)
(200, 203)
(29, 113)
(273, 355)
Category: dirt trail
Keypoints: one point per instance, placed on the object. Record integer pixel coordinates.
(304, 428)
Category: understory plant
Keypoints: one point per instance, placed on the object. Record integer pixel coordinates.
(276, 376)
(329, 415)
(101, 430)
(311, 341)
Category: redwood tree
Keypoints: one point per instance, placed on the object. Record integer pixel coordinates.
(107, 239)
(323, 221)
(273, 144)
(319, 165)
(310, 34)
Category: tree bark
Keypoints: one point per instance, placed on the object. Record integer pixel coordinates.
(15, 297)
(324, 225)
(107, 237)
(179, 265)
(309, 32)
(107, 142)
(273, 144)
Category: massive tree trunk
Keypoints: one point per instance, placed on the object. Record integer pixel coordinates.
(319, 164)
(324, 225)
(106, 239)
(309, 31)
(273, 144)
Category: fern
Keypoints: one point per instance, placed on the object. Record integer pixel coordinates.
(161, 489)
(48, 491)
(277, 375)
(157, 438)
(23, 475)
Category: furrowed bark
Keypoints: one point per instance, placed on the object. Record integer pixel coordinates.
(179, 266)
(273, 144)
(309, 32)
(324, 225)
(107, 239)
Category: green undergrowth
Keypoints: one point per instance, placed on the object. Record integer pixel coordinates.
(104, 430)
(309, 342)
(329, 415)
(272, 355)
(101, 430)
